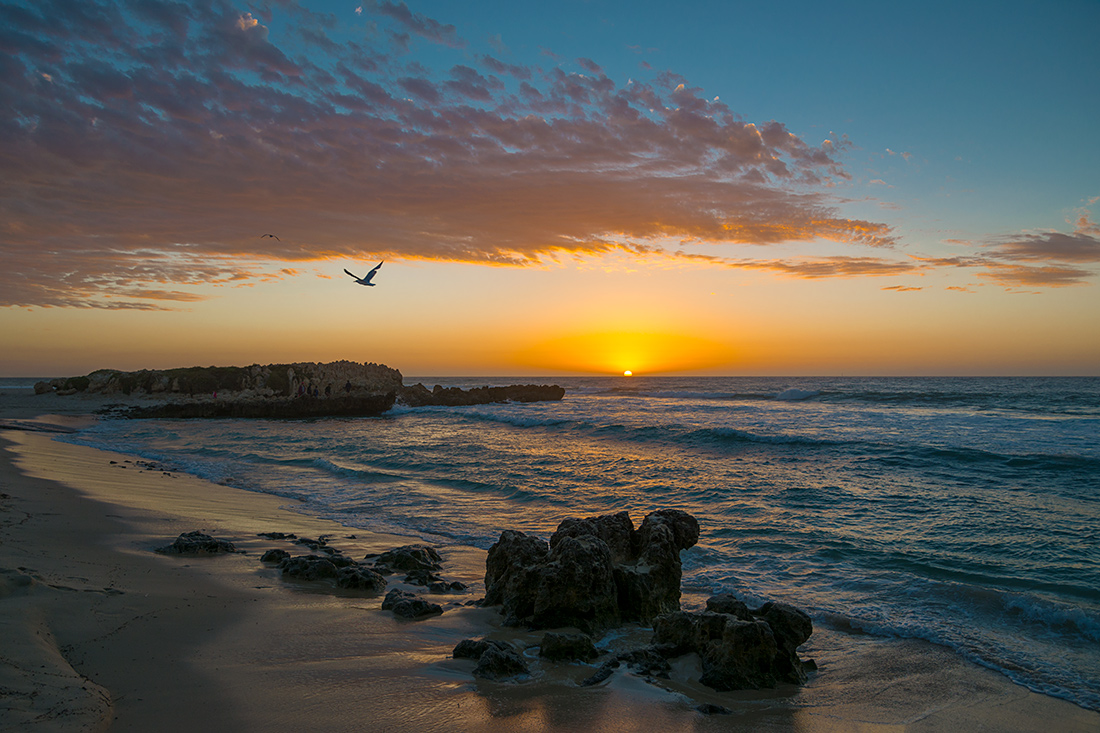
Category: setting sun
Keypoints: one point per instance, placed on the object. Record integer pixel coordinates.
(628, 373)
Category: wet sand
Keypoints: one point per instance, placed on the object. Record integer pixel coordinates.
(98, 632)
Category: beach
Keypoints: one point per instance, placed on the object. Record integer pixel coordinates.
(102, 633)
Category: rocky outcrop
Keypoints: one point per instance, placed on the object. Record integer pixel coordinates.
(739, 650)
(361, 405)
(594, 574)
(496, 660)
(197, 543)
(560, 647)
(419, 396)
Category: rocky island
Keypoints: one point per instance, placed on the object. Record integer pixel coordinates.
(298, 390)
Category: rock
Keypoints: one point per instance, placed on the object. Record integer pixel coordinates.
(410, 558)
(419, 396)
(275, 556)
(443, 586)
(309, 567)
(416, 608)
(355, 577)
(474, 648)
(606, 670)
(726, 603)
(709, 708)
(511, 574)
(790, 627)
(196, 543)
(42, 388)
(423, 577)
(616, 530)
(559, 647)
(278, 535)
(394, 596)
(500, 664)
(737, 653)
(596, 573)
(576, 587)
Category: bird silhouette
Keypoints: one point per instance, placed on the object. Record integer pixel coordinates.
(270, 235)
(366, 279)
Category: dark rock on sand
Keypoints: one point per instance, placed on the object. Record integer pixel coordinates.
(739, 653)
(278, 535)
(709, 708)
(500, 664)
(443, 586)
(648, 662)
(422, 577)
(408, 605)
(408, 558)
(196, 543)
(355, 577)
(559, 647)
(275, 556)
(474, 648)
(309, 567)
(595, 574)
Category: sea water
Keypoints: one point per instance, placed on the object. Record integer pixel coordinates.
(962, 511)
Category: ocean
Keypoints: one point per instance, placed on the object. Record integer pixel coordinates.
(962, 511)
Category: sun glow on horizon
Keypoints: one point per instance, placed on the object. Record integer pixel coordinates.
(624, 353)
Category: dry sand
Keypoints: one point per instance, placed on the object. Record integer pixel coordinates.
(98, 632)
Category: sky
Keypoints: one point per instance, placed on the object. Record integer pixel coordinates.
(711, 188)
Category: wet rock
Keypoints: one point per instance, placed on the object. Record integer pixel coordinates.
(309, 567)
(709, 708)
(500, 664)
(596, 572)
(416, 608)
(474, 648)
(726, 603)
(422, 577)
(443, 586)
(196, 543)
(355, 577)
(409, 558)
(278, 535)
(739, 653)
(419, 396)
(275, 556)
(394, 596)
(558, 647)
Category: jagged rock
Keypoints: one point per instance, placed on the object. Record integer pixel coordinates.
(423, 577)
(275, 556)
(409, 558)
(596, 573)
(278, 535)
(606, 670)
(567, 647)
(709, 708)
(416, 608)
(359, 578)
(616, 530)
(738, 653)
(394, 596)
(511, 574)
(500, 664)
(309, 567)
(726, 603)
(419, 396)
(443, 586)
(474, 648)
(576, 587)
(196, 543)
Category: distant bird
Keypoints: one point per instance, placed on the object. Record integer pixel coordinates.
(366, 279)
(270, 235)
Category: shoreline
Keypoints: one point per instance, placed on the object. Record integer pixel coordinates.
(143, 636)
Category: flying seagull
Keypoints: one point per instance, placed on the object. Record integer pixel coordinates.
(366, 279)
(269, 235)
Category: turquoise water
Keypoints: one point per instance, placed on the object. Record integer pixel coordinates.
(961, 511)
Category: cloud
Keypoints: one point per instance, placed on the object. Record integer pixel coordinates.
(1048, 276)
(420, 25)
(902, 288)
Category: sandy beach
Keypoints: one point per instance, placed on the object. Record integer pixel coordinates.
(101, 633)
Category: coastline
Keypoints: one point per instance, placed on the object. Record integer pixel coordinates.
(138, 638)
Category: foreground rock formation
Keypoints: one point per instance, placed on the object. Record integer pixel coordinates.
(599, 572)
(594, 574)
(299, 390)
